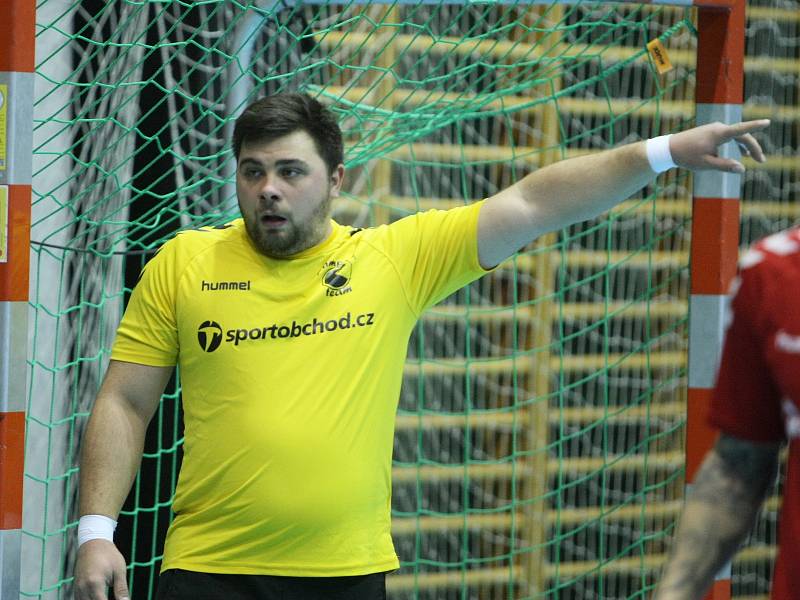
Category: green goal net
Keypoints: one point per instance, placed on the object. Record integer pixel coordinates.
(539, 439)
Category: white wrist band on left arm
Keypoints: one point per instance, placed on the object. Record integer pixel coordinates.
(95, 527)
(658, 154)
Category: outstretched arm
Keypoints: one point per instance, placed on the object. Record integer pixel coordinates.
(719, 512)
(581, 188)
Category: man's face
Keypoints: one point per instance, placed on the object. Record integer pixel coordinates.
(285, 193)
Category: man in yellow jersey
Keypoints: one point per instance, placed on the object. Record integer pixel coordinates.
(290, 332)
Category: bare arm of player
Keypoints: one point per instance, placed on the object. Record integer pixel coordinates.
(581, 188)
(720, 510)
(110, 456)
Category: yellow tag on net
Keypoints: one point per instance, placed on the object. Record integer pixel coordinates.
(659, 55)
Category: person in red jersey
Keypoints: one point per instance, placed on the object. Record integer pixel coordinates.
(756, 407)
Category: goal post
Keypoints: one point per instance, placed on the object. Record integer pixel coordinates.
(16, 91)
(715, 231)
(539, 443)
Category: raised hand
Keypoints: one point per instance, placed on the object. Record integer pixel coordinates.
(698, 148)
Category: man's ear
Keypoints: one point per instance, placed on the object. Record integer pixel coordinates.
(337, 178)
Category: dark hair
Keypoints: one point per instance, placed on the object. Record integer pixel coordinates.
(279, 115)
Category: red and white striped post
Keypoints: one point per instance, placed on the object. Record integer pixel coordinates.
(715, 229)
(17, 44)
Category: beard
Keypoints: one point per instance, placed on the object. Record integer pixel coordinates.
(293, 237)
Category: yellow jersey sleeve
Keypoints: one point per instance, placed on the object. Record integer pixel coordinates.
(148, 333)
(436, 253)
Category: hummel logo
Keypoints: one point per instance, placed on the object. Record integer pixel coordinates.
(218, 286)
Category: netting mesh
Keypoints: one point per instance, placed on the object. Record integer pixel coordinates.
(539, 439)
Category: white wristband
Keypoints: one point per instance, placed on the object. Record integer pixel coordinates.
(95, 527)
(658, 154)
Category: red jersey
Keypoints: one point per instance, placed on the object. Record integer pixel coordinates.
(757, 396)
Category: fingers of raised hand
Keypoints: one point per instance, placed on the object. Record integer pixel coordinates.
(699, 148)
(712, 161)
(749, 146)
(743, 134)
(745, 127)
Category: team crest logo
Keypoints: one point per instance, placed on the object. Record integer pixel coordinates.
(209, 335)
(336, 276)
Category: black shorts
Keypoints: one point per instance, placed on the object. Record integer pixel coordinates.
(177, 584)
